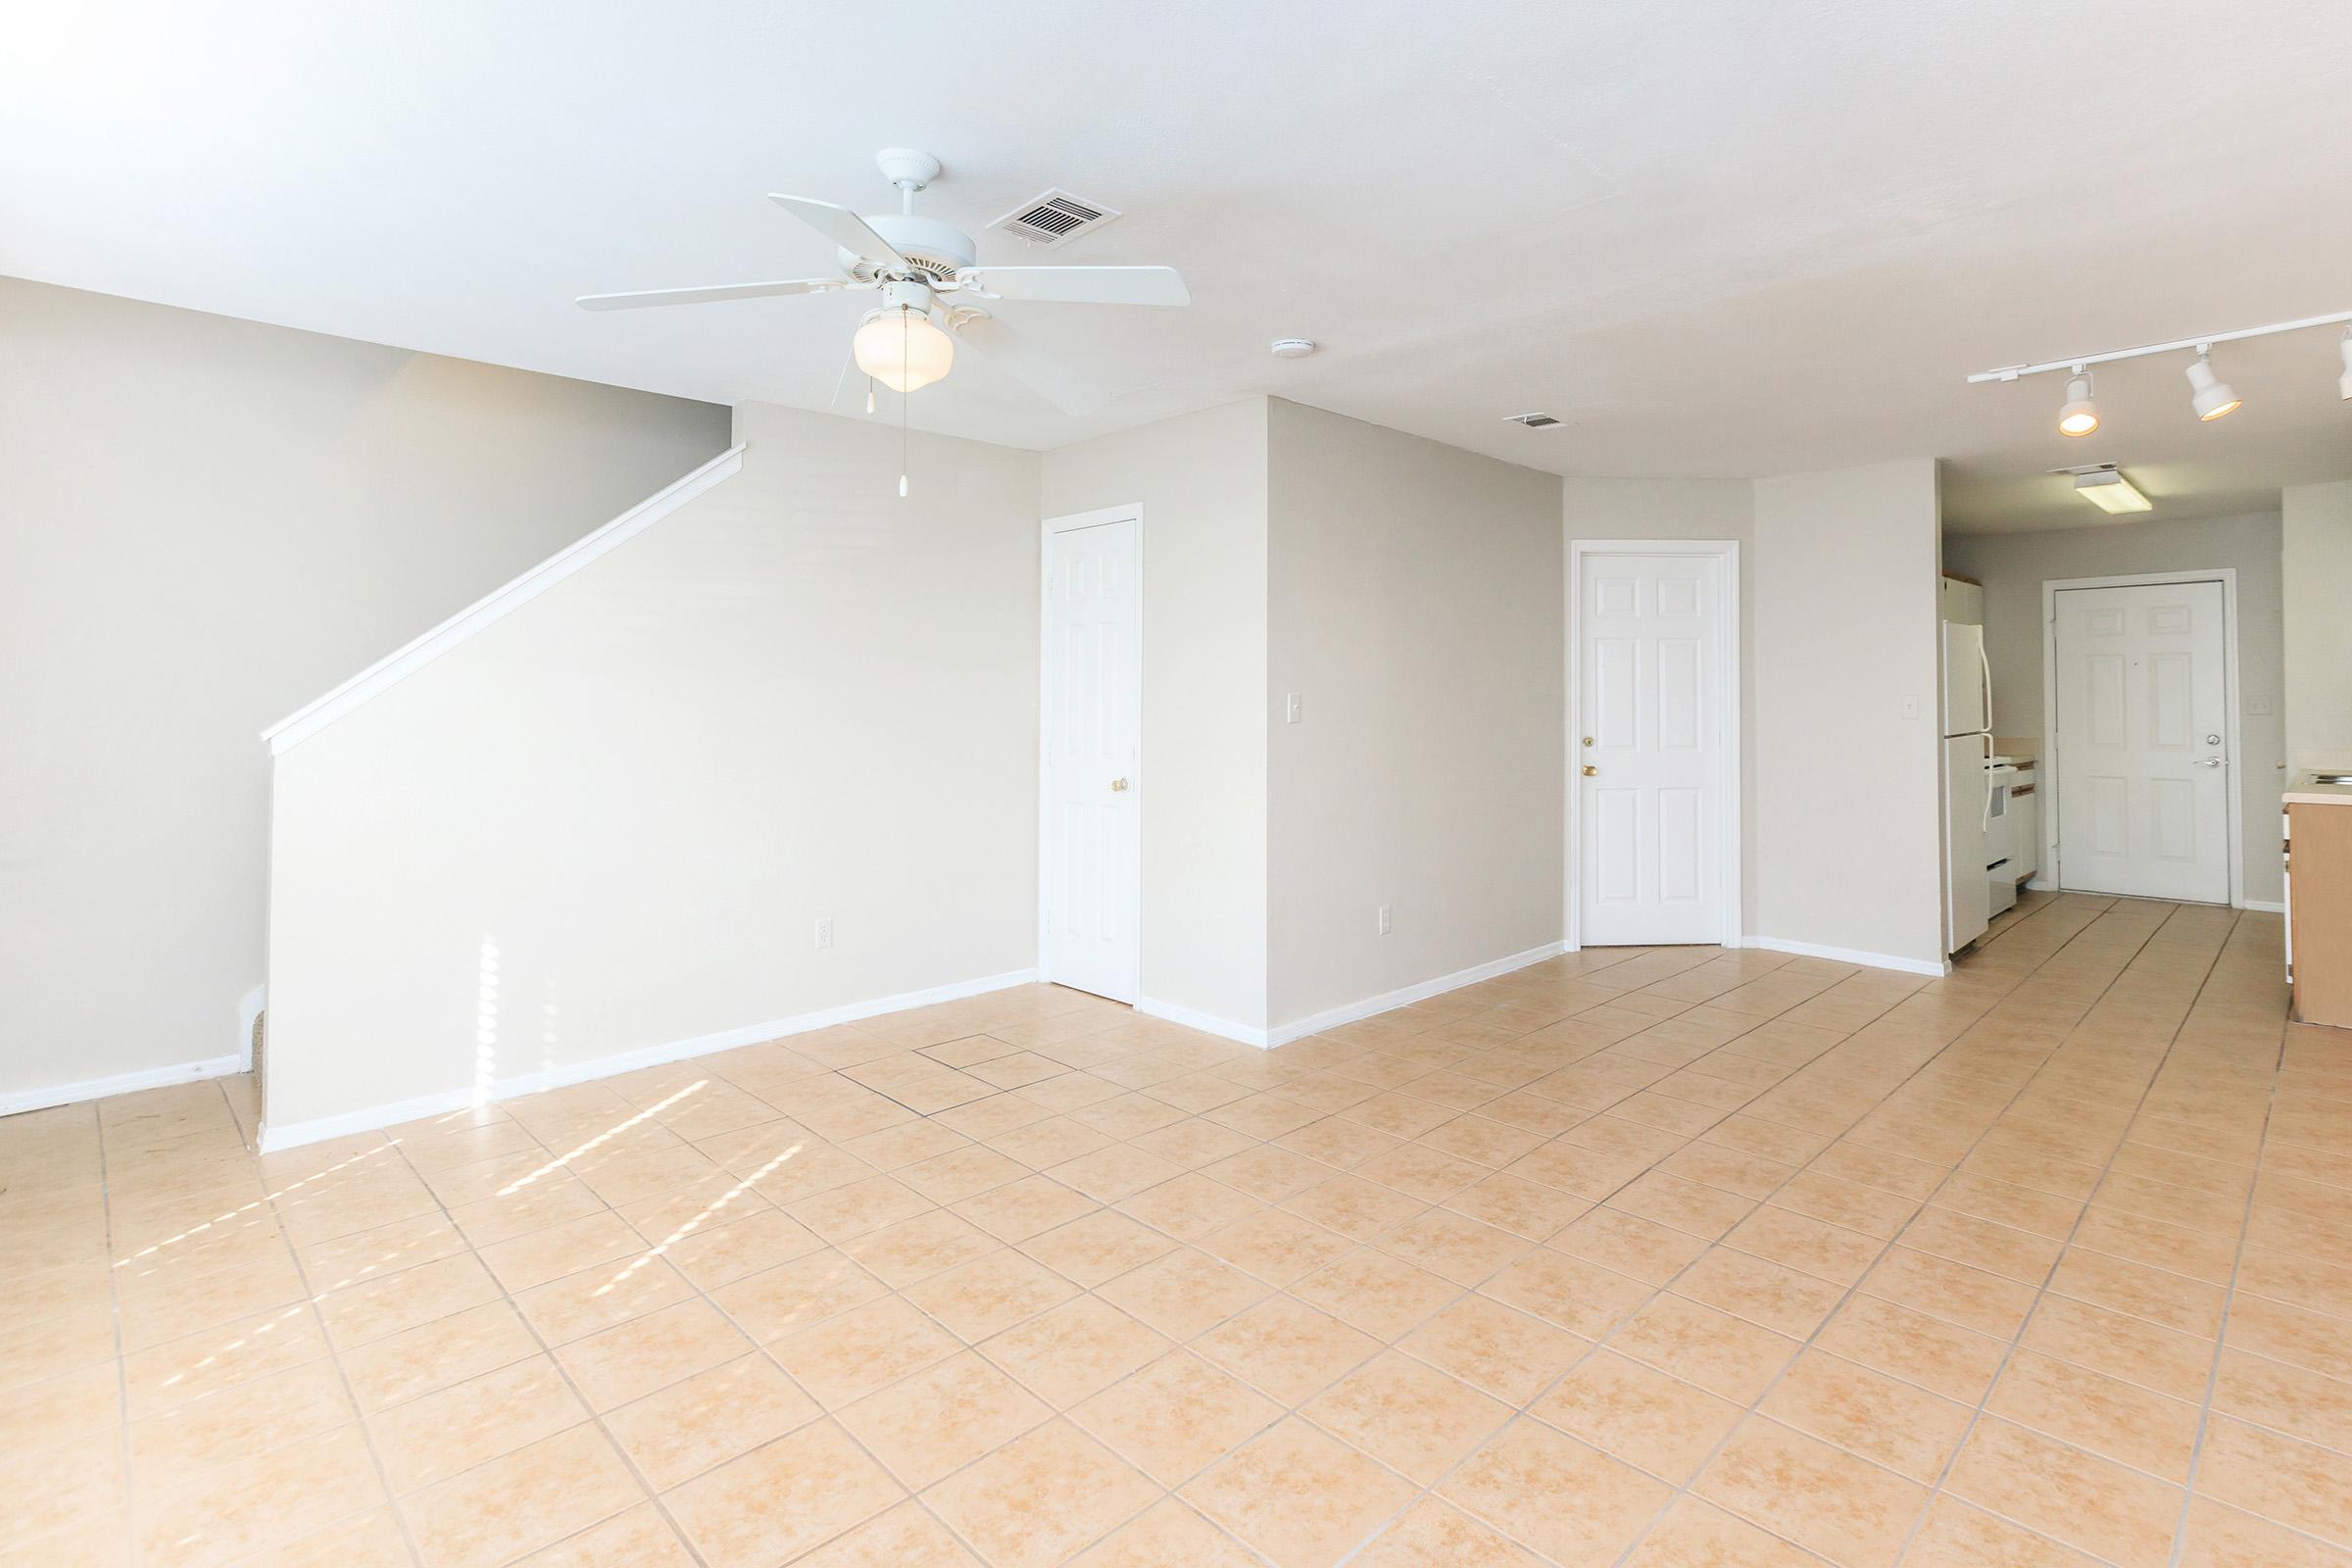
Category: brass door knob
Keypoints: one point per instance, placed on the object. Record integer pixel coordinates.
(1118, 784)
(1591, 771)
(1588, 739)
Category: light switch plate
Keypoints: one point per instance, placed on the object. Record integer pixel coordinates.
(1293, 708)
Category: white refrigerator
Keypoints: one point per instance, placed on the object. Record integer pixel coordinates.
(1967, 718)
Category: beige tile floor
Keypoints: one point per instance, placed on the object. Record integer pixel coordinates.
(1662, 1258)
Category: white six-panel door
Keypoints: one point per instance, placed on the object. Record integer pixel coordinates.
(2143, 756)
(1647, 759)
(1090, 842)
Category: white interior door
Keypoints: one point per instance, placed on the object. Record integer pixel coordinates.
(1091, 826)
(2143, 756)
(1650, 751)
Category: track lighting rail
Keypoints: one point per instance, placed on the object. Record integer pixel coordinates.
(2076, 362)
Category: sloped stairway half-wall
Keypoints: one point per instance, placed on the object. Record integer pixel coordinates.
(592, 822)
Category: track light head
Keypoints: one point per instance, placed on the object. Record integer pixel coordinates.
(2210, 395)
(2081, 414)
(2343, 382)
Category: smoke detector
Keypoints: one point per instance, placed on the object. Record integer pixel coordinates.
(1293, 348)
(1534, 421)
(1054, 219)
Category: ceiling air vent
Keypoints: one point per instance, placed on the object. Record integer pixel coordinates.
(1054, 219)
(1534, 421)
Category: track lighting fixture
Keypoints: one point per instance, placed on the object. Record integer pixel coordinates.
(2080, 415)
(2210, 395)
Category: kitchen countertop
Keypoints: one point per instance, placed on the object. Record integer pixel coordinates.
(2307, 790)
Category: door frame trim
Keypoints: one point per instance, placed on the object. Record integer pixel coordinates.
(1072, 522)
(1730, 808)
(2046, 769)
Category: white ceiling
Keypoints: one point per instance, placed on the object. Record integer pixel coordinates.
(1716, 237)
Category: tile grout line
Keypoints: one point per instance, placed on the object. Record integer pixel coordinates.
(1938, 1487)
(309, 1300)
(2220, 1333)
(114, 1301)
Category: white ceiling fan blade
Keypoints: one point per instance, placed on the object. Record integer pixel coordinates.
(844, 229)
(1057, 381)
(704, 296)
(1080, 285)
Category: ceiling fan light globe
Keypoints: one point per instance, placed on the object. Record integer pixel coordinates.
(899, 347)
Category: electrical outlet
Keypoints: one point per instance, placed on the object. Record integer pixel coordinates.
(1384, 920)
(824, 931)
(2261, 708)
(1294, 709)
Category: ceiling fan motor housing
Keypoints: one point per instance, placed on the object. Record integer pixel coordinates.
(934, 249)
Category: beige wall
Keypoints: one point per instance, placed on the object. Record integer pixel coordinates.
(1416, 608)
(2013, 566)
(1201, 479)
(205, 523)
(1689, 509)
(617, 814)
(2317, 616)
(1847, 820)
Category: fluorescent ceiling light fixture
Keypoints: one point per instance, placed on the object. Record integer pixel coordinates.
(2211, 396)
(2081, 416)
(2110, 492)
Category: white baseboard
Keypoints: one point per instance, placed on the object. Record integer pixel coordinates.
(1387, 1001)
(1869, 960)
(121, 1083)
(1206, 1023)
(2264, 906)
(320, 1128)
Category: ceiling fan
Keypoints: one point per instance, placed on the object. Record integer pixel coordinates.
(919, 266)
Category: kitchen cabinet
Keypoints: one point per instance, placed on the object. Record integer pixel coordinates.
(1963, 600)
(2319, 900)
